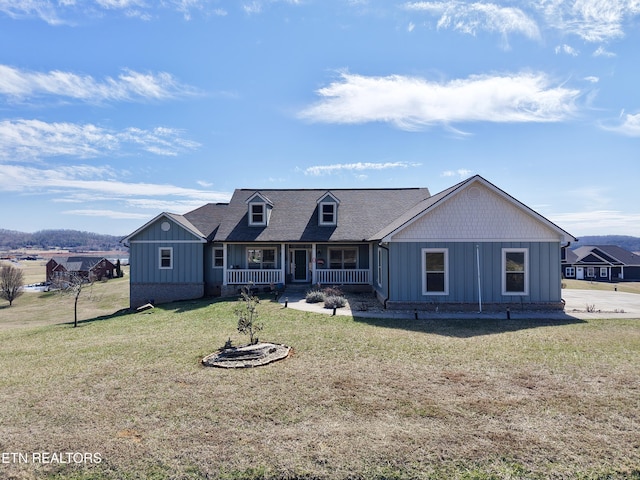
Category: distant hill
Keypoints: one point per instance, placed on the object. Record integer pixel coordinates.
(65, 239)
(624, 241)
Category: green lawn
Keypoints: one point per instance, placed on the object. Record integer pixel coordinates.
(357, 399)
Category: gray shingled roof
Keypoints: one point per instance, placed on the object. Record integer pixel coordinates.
(207, 218)
(294, 217)
(618, 254)
(78, 264)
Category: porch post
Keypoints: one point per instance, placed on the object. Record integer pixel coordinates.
(283, 263)
(224, 264)
(313, 263)
(370, 264)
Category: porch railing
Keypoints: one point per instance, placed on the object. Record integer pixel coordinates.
(259, 277)
(343, 277)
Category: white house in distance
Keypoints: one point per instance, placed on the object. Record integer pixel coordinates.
(469, 244)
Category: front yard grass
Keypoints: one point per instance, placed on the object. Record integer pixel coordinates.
(357, 399)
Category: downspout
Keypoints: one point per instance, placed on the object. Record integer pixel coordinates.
(479, 276)
(384, 303)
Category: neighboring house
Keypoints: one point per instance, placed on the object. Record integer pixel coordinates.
(602, 263)
(471, 246)
(89, 267)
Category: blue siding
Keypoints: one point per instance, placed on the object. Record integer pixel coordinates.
(187, 263)
(188, 255)
(544, 272)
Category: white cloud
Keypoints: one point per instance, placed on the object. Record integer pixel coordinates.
(62, 11)
(567, 49)
(359, 166)
(33, 139)
(591, 20)
(592, 79)
(629, 125)
(98, 183)
(598, 222)
(602, 52)
(129, 85)
(113, 214)
(411, 103)
(461, 172)
(473, 17)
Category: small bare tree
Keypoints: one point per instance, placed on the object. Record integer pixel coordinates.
(247, 312)
(72, 284)
(11, 282)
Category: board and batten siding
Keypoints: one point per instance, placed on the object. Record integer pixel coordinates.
(188, 254)
(476, 220)
(543, 272)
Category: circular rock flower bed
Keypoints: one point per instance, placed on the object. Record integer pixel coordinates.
(247, 356)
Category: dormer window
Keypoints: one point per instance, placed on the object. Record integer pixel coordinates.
(259, 210)
(257, 216)
(328, 210)
(328, 214)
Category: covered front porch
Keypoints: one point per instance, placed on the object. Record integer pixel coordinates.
(290, 263)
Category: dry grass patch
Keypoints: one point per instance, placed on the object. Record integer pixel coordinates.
(629, 287)
(358, 399)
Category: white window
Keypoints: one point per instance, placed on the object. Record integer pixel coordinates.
(261, 258)
(343, 258)
(257, 214)
(515, 271)
(379, 266)
(570, 272)
(435, 271)
(218, 257)
(604, 272)
(166, 258)
(328, 213)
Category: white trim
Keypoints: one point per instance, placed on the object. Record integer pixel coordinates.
(321, 222)
(170, 249)
(169, 241)
(423, 253)
(503, 272)
(213, 257)
(251, 214)
(456, 190)
(472, 240)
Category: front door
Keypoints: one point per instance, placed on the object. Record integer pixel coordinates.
(580, 273)
(300, 265)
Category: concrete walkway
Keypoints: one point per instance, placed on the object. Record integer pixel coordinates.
(605, 304)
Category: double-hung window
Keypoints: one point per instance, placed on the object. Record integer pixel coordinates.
(261, 258)
(604, 272)
(166, 258)
(218, 257)
(343, 258)
(258, 214)
(515, 271)
(328, 213)
(570, 272)
(435, 271)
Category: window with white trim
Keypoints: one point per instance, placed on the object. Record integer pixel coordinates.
(328, 213)
(604, 272)
(257, 214)
(166, 258)
(570, 272)
(218, 257)
(435, 271)
(591, 272)
(343, 258)
(515, 271)
(379, 266)
(261, 258)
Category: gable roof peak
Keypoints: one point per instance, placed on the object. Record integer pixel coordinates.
(326, 194)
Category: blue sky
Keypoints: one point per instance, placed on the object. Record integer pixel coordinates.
(112, 111)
